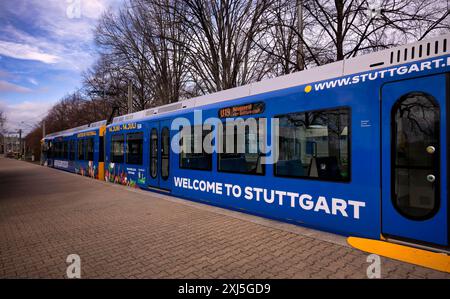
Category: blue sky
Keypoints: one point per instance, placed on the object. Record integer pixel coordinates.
(45, 45)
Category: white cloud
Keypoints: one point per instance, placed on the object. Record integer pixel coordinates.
(24, 51)
(33, 81)
(62, 41)
(28, 112)
(94, 8)
(10, 87)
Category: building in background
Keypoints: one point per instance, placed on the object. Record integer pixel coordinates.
(11, 145)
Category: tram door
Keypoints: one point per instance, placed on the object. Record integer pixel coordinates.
(159, 160)
(414, 161)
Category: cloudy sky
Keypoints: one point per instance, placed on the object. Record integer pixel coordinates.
(45, 45)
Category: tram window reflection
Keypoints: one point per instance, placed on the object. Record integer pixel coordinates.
(135, 143)
(315, 144)
(193, 154)
(117, 151)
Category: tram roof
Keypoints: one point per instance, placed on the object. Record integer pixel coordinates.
(83, 128)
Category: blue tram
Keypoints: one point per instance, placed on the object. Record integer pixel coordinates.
(357, 147)
(79, 150)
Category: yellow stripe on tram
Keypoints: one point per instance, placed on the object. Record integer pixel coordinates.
(101, 171)
(424, 258)
(101, 165)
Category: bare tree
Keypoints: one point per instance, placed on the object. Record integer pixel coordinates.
(281, 37)
(143, 44)
(72, 111)
(33, 142)
(123, 43)
(106, 84)
(161, 24)
(222, 52)
(351, 27)
(334, 30)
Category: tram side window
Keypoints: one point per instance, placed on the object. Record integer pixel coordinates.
(135, 143)
(72, 150)
(59, 150)
(89, 149)
(65, 150)
(241, 152)
(315, 145)
(101, 147)
(193, 154)
(154, 153)
(80, 150)
(117, 143)
(51, 150)
(55, 150)
(165, 153)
